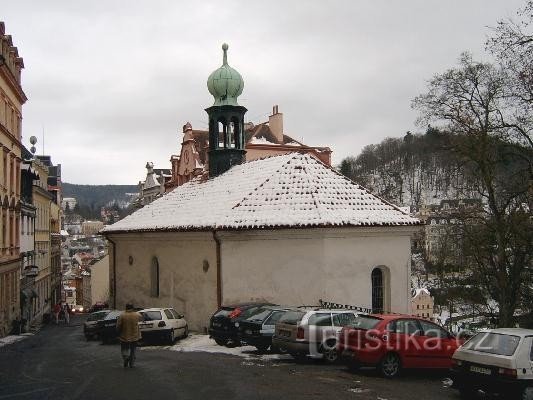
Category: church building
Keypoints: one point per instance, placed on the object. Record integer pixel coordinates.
(287, 229)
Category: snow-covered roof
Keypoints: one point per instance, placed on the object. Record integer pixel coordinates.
(290, 190)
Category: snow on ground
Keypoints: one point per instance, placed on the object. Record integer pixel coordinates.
(202, 343)
(10, 339)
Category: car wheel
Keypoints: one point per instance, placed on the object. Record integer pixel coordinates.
(220, 342)
(278, 350)
(233, 343)
(185, 332)
(329, 352)
(171, 337)
(390, 365)
(527, 394)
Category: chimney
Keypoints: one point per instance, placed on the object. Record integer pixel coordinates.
(275, 122)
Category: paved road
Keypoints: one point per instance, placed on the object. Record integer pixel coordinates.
(57, 363)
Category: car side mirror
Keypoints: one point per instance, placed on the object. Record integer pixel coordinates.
(180, 316)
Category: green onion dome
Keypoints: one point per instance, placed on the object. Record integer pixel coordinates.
(225, 83)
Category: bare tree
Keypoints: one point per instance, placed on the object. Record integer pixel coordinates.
(472, 102)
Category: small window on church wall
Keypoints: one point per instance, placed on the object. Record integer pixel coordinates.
(154, 278)
(377, 291)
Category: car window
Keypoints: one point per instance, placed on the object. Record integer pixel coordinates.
(251, 311)
(531, 352)
(169, 314)
(223, 312)
(175, 313)
(365, 322)
(260, 315)
(407, 327)
(433, 330)
(344, 319)
(291, 317)
(320, 319)
(276, 315)
(493, 343)
(152, 315)
(97, 316)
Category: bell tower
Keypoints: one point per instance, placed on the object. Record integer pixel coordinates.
(226, 118)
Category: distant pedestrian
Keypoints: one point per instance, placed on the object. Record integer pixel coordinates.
(66, 312)
(57, 310)
(129, 334)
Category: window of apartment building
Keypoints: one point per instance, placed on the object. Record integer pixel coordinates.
(154, 278)
(17, 232)
(11, 175)
(4, 228)
(23, 220)
(5, 169)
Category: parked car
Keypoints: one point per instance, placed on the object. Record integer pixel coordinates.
(90, 326)
(98, 306)
(107, 328)
(392, 342)
(258, 329)
(224, 324)
(163, 323)
(311, 332)
(497, 361)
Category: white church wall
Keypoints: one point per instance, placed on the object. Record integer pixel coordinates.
(296, 267)
(187, 273)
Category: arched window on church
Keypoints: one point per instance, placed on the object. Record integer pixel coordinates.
(377, 291)
(154, 278)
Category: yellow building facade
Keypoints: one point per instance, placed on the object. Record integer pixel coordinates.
(12, 98)
(42, 200)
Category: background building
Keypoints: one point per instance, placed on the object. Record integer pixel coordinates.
(89, 228)
(12, 98)
(422, 304)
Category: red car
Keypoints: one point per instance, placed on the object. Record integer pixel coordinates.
(394, 341)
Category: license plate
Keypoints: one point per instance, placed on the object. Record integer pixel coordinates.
(480, 370)
(248, 331)
(216, 325)
(285, 333)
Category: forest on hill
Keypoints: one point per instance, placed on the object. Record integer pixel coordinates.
(91, 198)
(420, 169)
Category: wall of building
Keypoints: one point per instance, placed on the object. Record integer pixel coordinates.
(11, 100)
(187, 273)
(100, 281)
(298, 267)
(293, 267)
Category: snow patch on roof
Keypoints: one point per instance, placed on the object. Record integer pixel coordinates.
(262, 140)
(290, 190)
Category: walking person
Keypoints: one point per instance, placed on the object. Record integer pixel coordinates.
(57, 310)
(129, 334)
(66, 312)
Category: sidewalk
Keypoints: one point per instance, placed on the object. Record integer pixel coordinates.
(10, 339)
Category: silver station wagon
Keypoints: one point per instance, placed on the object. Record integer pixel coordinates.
(311, 332)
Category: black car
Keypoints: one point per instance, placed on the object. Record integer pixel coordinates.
(224, 324)
(107, 328)
(90, 326)
(258, 329)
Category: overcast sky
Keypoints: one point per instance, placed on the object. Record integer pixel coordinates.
(111, 83)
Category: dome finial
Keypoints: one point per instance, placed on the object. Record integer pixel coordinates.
(225, 56)
(225, 83)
